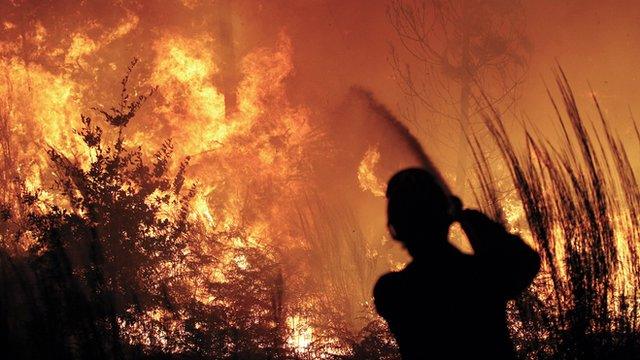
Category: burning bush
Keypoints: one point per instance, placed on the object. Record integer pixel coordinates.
(117, 266)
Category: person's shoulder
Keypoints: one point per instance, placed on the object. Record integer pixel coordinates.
(385, 290)
(388, 283)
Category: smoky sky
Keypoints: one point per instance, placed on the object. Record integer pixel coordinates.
(341, 43)
(338, 44)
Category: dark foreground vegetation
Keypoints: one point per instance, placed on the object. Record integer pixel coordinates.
(105, 273)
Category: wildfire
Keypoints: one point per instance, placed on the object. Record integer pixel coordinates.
(253, 261)
(249, 168)
(245, 158)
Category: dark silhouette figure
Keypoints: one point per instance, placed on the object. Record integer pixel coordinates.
(446, 304)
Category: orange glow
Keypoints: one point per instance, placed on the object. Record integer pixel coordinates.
(248, 92)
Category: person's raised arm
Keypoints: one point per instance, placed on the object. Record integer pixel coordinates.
(509, 261)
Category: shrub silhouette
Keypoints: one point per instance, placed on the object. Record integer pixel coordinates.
(114, 265)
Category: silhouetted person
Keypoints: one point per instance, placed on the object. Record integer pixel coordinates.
(446, 304)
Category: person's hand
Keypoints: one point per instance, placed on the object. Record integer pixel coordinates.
(456, 208)
(477, 224)
(469, 217)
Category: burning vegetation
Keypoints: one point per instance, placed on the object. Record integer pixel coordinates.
(579, 200)
(124, 254)
(195, 217)
(179, 222)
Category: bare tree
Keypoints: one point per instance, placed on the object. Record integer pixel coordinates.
(453, 52)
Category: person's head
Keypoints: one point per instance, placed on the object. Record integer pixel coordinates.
(418, 210)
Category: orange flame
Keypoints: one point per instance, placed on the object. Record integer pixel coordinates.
(366, 176)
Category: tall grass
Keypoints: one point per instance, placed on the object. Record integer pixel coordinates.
(581, 201)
